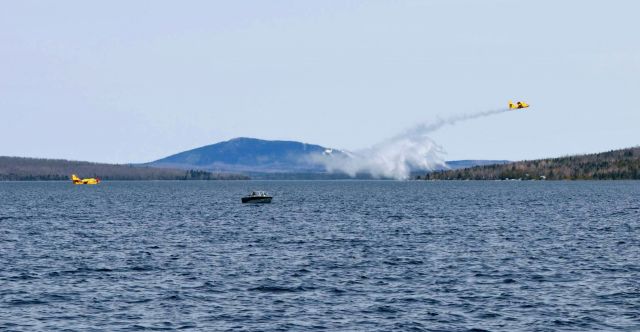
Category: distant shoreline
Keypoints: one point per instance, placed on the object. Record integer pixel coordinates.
(621, 164)
(36, 169)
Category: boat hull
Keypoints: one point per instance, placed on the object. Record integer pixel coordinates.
(256, 199)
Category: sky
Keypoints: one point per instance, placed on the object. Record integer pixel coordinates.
(135, 81)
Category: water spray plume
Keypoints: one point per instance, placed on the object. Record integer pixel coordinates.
(398, 156)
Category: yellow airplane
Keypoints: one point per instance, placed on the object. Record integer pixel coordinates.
(520, 104)
(77, 180)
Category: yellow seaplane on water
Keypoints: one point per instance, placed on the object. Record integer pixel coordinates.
(77, 180)
(517, 105)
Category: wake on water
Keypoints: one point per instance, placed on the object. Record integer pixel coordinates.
(397, 156)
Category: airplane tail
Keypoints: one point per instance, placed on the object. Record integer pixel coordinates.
(74, 178)
(512, 105)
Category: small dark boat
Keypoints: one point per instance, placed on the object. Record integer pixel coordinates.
(257, 197)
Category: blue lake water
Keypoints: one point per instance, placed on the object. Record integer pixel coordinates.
(325, 255)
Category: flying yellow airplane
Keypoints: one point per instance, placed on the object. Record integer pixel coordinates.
(520, 104)
(77, 180)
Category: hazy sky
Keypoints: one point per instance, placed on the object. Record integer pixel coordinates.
(133, 81)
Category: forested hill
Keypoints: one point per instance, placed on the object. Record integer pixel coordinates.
(244, 154)
(20, 169)
(613, 165)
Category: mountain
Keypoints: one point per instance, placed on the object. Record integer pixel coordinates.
(267, 159)
(34, 169)
(612, 165)
(248, 155)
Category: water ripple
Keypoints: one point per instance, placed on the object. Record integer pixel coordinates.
(325, 255)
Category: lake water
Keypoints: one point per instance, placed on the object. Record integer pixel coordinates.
(325, 255)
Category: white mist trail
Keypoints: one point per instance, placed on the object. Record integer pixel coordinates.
(429, 127)
(397, 156)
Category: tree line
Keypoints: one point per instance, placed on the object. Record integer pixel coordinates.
(612, 165)
(35, 169)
